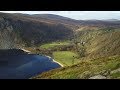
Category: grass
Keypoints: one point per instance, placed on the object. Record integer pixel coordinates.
(53, 44)
(115, 75)
(66, 58)
(100, 44)
(85, 69)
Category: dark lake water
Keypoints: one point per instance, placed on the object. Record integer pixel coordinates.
(24, 66)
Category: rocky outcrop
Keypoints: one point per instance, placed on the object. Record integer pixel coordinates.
(98, 77)
(115, 71)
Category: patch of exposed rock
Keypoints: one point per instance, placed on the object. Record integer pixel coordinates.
(115, 71)
(98, 77)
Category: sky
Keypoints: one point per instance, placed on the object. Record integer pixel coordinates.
(78, 15)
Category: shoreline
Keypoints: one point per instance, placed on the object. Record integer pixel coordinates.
(43, 55)
(25, 50)
(54, 61)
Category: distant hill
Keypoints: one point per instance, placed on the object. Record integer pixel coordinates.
(96, 40)
(18, 30)
(112, 20)
(59, 19)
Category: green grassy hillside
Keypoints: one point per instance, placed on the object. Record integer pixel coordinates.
(99, 56)
(101, 67)
(94, 44)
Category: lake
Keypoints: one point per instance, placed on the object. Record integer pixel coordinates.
(23, 66)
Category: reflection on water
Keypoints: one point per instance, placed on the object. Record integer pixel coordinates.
(24, 66)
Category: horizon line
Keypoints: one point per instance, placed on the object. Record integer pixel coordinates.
(20, 12)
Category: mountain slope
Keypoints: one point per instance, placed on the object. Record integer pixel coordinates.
(102, 68)
(95, 41)
(101, 59)
(99, 42)
(29, 31)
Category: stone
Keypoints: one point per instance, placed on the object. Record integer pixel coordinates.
(115, 71)
(98, 77)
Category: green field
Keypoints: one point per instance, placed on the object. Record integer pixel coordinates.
(66, 58)
(53, 44)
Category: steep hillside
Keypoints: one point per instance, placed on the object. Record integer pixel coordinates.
(95, 44)
(99, 51)
(26, 30)
(99, 42)
(100, 23)
(102, 68)
(95, 38)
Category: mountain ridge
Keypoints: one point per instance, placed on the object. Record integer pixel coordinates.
(31, 29)
(96, 40)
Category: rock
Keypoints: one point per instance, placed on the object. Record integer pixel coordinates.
(118, 77)
(115, 71)
(105, 72)
(84, 75)
(98, 77)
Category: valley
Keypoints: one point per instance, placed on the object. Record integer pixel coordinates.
(80, 49)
